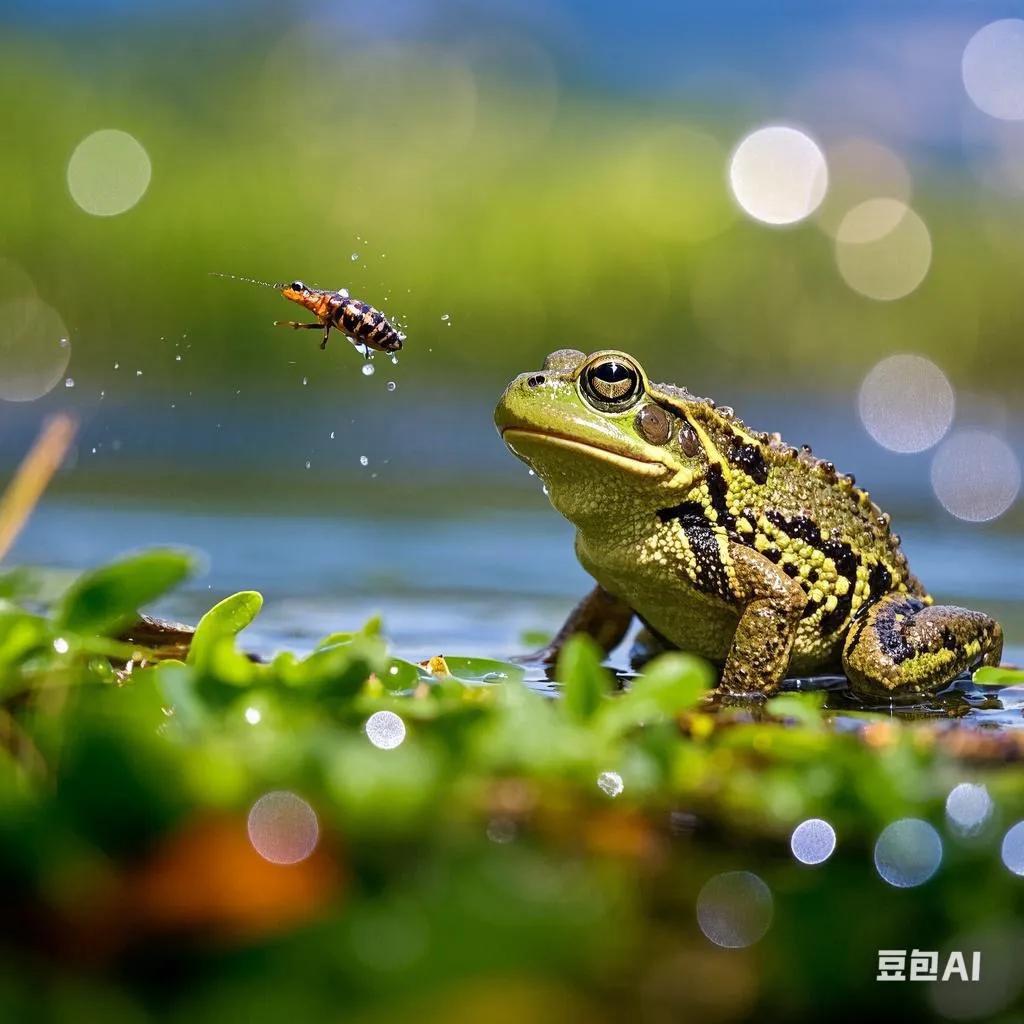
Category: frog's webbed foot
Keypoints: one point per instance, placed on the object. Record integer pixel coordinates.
(601, 616)
(902, 649)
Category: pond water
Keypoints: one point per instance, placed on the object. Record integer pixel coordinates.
(440, 531)
(451, 584)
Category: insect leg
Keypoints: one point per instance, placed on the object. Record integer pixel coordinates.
(327, 332)
(295, 325)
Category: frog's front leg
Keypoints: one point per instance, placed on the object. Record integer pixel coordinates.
(601, 616)
(902, 648)
(771, 604)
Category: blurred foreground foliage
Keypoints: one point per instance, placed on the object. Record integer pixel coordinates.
(475, 871)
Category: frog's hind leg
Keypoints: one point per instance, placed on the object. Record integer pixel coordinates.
(603, 617)
(902, 648)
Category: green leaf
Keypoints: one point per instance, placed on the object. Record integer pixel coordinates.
(585, 680)
(802, 708)
(483, 670)
(990, 675)
(21, 634)
(401, 675)
(227, 618)
(671, 683)
(108, 599)
(177, 683)
(339, 671)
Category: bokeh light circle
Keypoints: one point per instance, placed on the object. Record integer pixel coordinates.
(108, 172)
(975, 475)
(908, 853)
(883, 249)
(858, 170)
(1012, 850)
(813, 841)
(778, 175)
(968, 807)
(385, 730)
(283, 828)
(34, 349)
(906, 403)
(993, 69)
(734, 909)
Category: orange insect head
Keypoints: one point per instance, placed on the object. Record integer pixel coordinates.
(313, 299)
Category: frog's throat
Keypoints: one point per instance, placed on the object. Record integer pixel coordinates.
(680, 475)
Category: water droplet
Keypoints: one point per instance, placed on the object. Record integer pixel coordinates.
(253, 716)
(305, 381)
(363, 460)
(177, 358)
(117, 366)
(354, 257)
(610, 783)
(445, 316)
(531, 472)
(70, 382)
(60, 645)
(308, 464)
(394, 355)
(391, 385)
(138, 373)
(368, 369)
(385, 730)
(332, 435)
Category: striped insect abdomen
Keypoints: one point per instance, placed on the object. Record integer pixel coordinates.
(366, 325)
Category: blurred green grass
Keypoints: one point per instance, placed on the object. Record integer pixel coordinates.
(471, 184)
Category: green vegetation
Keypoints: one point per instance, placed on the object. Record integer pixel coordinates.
(471, 183)
(481, 863)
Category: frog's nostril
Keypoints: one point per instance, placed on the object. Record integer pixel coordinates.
(535, 381)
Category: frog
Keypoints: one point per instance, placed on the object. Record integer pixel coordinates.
(727, 542)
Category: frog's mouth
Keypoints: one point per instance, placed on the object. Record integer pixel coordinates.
(630, 463)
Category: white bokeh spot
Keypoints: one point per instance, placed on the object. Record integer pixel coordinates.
(778, 175)
(108, 172)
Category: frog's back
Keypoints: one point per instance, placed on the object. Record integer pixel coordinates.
(795, 509)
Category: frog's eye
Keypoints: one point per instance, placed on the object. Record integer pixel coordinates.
(611, 383)
(297, 286)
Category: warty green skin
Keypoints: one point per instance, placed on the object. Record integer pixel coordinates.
(728, 542)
